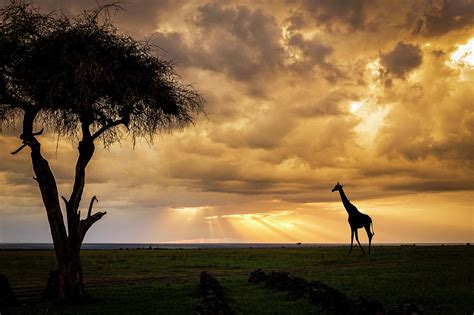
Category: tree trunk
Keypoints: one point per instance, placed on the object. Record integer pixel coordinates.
(71, 287)
(67, 246)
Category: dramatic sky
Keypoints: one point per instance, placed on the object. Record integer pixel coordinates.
(377, 95)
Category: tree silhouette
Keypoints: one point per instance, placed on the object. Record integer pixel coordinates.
(80, 78)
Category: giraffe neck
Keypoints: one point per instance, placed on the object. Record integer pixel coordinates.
(345, 201)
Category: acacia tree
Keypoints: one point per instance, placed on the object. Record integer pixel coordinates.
(80, 78)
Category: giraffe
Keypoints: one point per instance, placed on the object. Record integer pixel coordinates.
(357, 220)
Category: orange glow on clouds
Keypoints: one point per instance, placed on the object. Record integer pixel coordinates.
(463, 56)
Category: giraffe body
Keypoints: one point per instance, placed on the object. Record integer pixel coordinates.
(357, 220)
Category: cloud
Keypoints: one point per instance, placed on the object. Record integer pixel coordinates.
(427, 124)
(296, 22)
(173, 46)
(255, 49)
(350, 14)
(402, 59)
(443, 16)
(251, 39)
(330, 104)
(311, 56)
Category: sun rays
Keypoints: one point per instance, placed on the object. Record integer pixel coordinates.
(309, 224)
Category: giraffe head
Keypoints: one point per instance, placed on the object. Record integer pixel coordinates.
(338, 187)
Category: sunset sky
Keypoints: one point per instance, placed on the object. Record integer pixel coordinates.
(377, 95)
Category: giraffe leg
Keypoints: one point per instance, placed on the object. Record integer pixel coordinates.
(357, 239)
(352, 240)
(369, 235)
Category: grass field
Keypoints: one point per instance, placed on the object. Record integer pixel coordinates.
(440, 278)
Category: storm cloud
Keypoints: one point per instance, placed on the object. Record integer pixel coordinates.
(402, 59)
(440, 17)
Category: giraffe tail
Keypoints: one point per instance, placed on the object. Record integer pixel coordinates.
(372, 225)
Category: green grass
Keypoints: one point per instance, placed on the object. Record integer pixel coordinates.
(440, 279)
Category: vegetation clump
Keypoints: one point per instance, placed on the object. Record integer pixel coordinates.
(213, 301)
(258, 276)
(318, 293)
(7, 297)
(406, 308)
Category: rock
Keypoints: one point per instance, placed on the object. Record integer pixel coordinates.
(258, 276)
(329, 298)
(279, 280)
(51, 292)
(214, 301)
(209, 285)
(368, 306)
(211, 305)
(298, 287)
(406, 309)
(7, 297)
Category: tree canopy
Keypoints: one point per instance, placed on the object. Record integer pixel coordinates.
(81, 70)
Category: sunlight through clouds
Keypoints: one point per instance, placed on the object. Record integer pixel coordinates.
(463, 56)
(355, 106)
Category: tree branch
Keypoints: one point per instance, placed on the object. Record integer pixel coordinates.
(19, 149)
(86, 150)
(104, 120)
(85, 224)
(25, 143)
(104, 128)
(105, 7)
(65, 200)
(91, 204)
(38, 133)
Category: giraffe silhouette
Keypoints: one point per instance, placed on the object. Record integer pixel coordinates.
(357, 220)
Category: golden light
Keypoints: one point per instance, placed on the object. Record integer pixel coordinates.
(355, 106)
(273, 226)
(187, 210)
(371, 116)
(463, 57)
(258, 215)
(189, 213)
(374, 68)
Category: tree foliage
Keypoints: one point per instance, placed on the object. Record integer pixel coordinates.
(81, 69)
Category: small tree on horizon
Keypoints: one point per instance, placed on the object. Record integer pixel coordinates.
(79, 77)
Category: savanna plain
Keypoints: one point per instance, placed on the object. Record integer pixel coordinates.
(165, 281)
